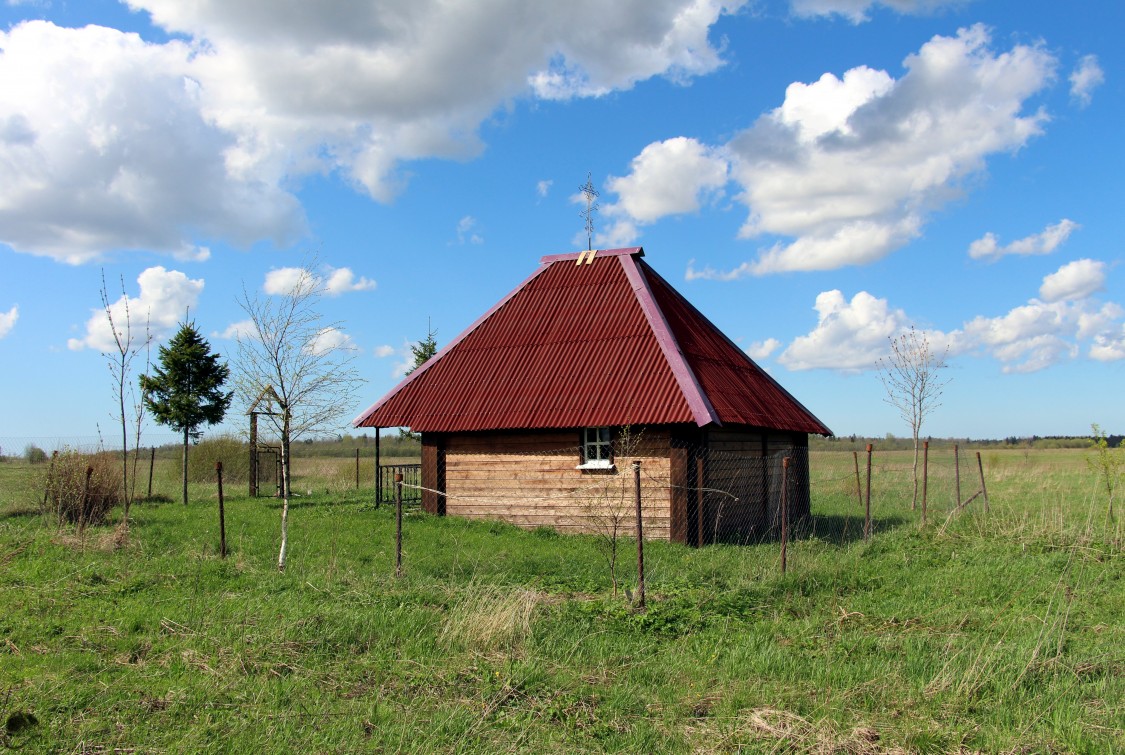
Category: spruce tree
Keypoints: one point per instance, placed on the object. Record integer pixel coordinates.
(185, 391)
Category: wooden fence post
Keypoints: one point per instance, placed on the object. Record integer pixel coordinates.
(983, 489)
(398, 524)
(151, 464)
(867, 505)
(640, 536)
(925, 475)
(357, 469)
(50, 474)
(784, 511)
(85, 500)
(957, 470)
(222, 515)
(858, 485)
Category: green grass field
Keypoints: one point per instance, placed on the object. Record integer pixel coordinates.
(993, 633)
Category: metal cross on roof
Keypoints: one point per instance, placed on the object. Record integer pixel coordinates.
(591, 195)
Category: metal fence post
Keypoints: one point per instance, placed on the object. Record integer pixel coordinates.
(867, 504)
(784, 511)
(357, 469)
(983, 489)
(222, 516)
(957, 470)
(151, 464)
(640, 535)
(398, 524)
(925, 475)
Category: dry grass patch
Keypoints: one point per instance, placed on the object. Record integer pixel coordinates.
(491, 618)
(773, 730)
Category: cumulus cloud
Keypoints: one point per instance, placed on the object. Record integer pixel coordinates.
(856, 11)
(328, 340)
(668, 178)
(237, 330)
(106, 146)
(165, 296)
(333, 282)
(1075, 280)
(543, 187)
(852, 335)
(1085, 78)
(762, 349)
(988, 248)
(8, 320)
(384, 351)
(849, 335)
(341, 280)
(1109, 346)
(850, 168)
(113, 143)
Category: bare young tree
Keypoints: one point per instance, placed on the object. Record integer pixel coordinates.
(291, 353)
(910, 375)
(120, 362)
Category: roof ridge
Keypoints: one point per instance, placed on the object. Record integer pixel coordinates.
(702, 410)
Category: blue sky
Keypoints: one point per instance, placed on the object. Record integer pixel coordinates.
(816, 176)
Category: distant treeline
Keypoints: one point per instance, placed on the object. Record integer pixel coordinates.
(892, 442)
(391, 445)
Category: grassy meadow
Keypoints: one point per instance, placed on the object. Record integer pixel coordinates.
(978, 632)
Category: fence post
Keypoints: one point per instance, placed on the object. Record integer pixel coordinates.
(357, 469)
(640, 535)
(925, 475)
(858, 486)
(151, 464)
(784, 511)
(85, 501)
(398, 524)
(983, 489)
(699, 501)
(50, 474)
(222, 515)
(867, 503)
(957, 470)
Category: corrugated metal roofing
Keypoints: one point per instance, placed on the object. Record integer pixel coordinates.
(589, 345)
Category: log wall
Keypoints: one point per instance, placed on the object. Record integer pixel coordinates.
(530, 479)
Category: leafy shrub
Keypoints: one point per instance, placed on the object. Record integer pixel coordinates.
(34, 454)
(75, 501)
(230, 450)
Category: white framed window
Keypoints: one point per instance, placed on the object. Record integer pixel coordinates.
(597, 448)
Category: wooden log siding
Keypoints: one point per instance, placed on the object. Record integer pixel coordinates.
(530, 480)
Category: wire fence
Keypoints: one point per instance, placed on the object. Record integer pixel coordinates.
(698, 496)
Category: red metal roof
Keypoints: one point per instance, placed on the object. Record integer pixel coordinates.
(583, 344)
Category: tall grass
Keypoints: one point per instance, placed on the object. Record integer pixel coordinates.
(1000, 633)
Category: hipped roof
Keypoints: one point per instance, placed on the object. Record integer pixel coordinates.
(584, 343)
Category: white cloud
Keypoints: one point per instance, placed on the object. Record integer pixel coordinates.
(1075, 280)
(762, 349)
(341, 280)
(851, 168)
(105, 146)
(113, 143)
(856, 11)
(1044, 242)
(165, 298)
(1109, 346)
(283, 280)
(329, 340)
(8, 320)
(336, 281)
(849, 336)
(237, 330)
(466, 232)
(543, 187)
(1084, 79)
(667, 178)
(384, 351)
